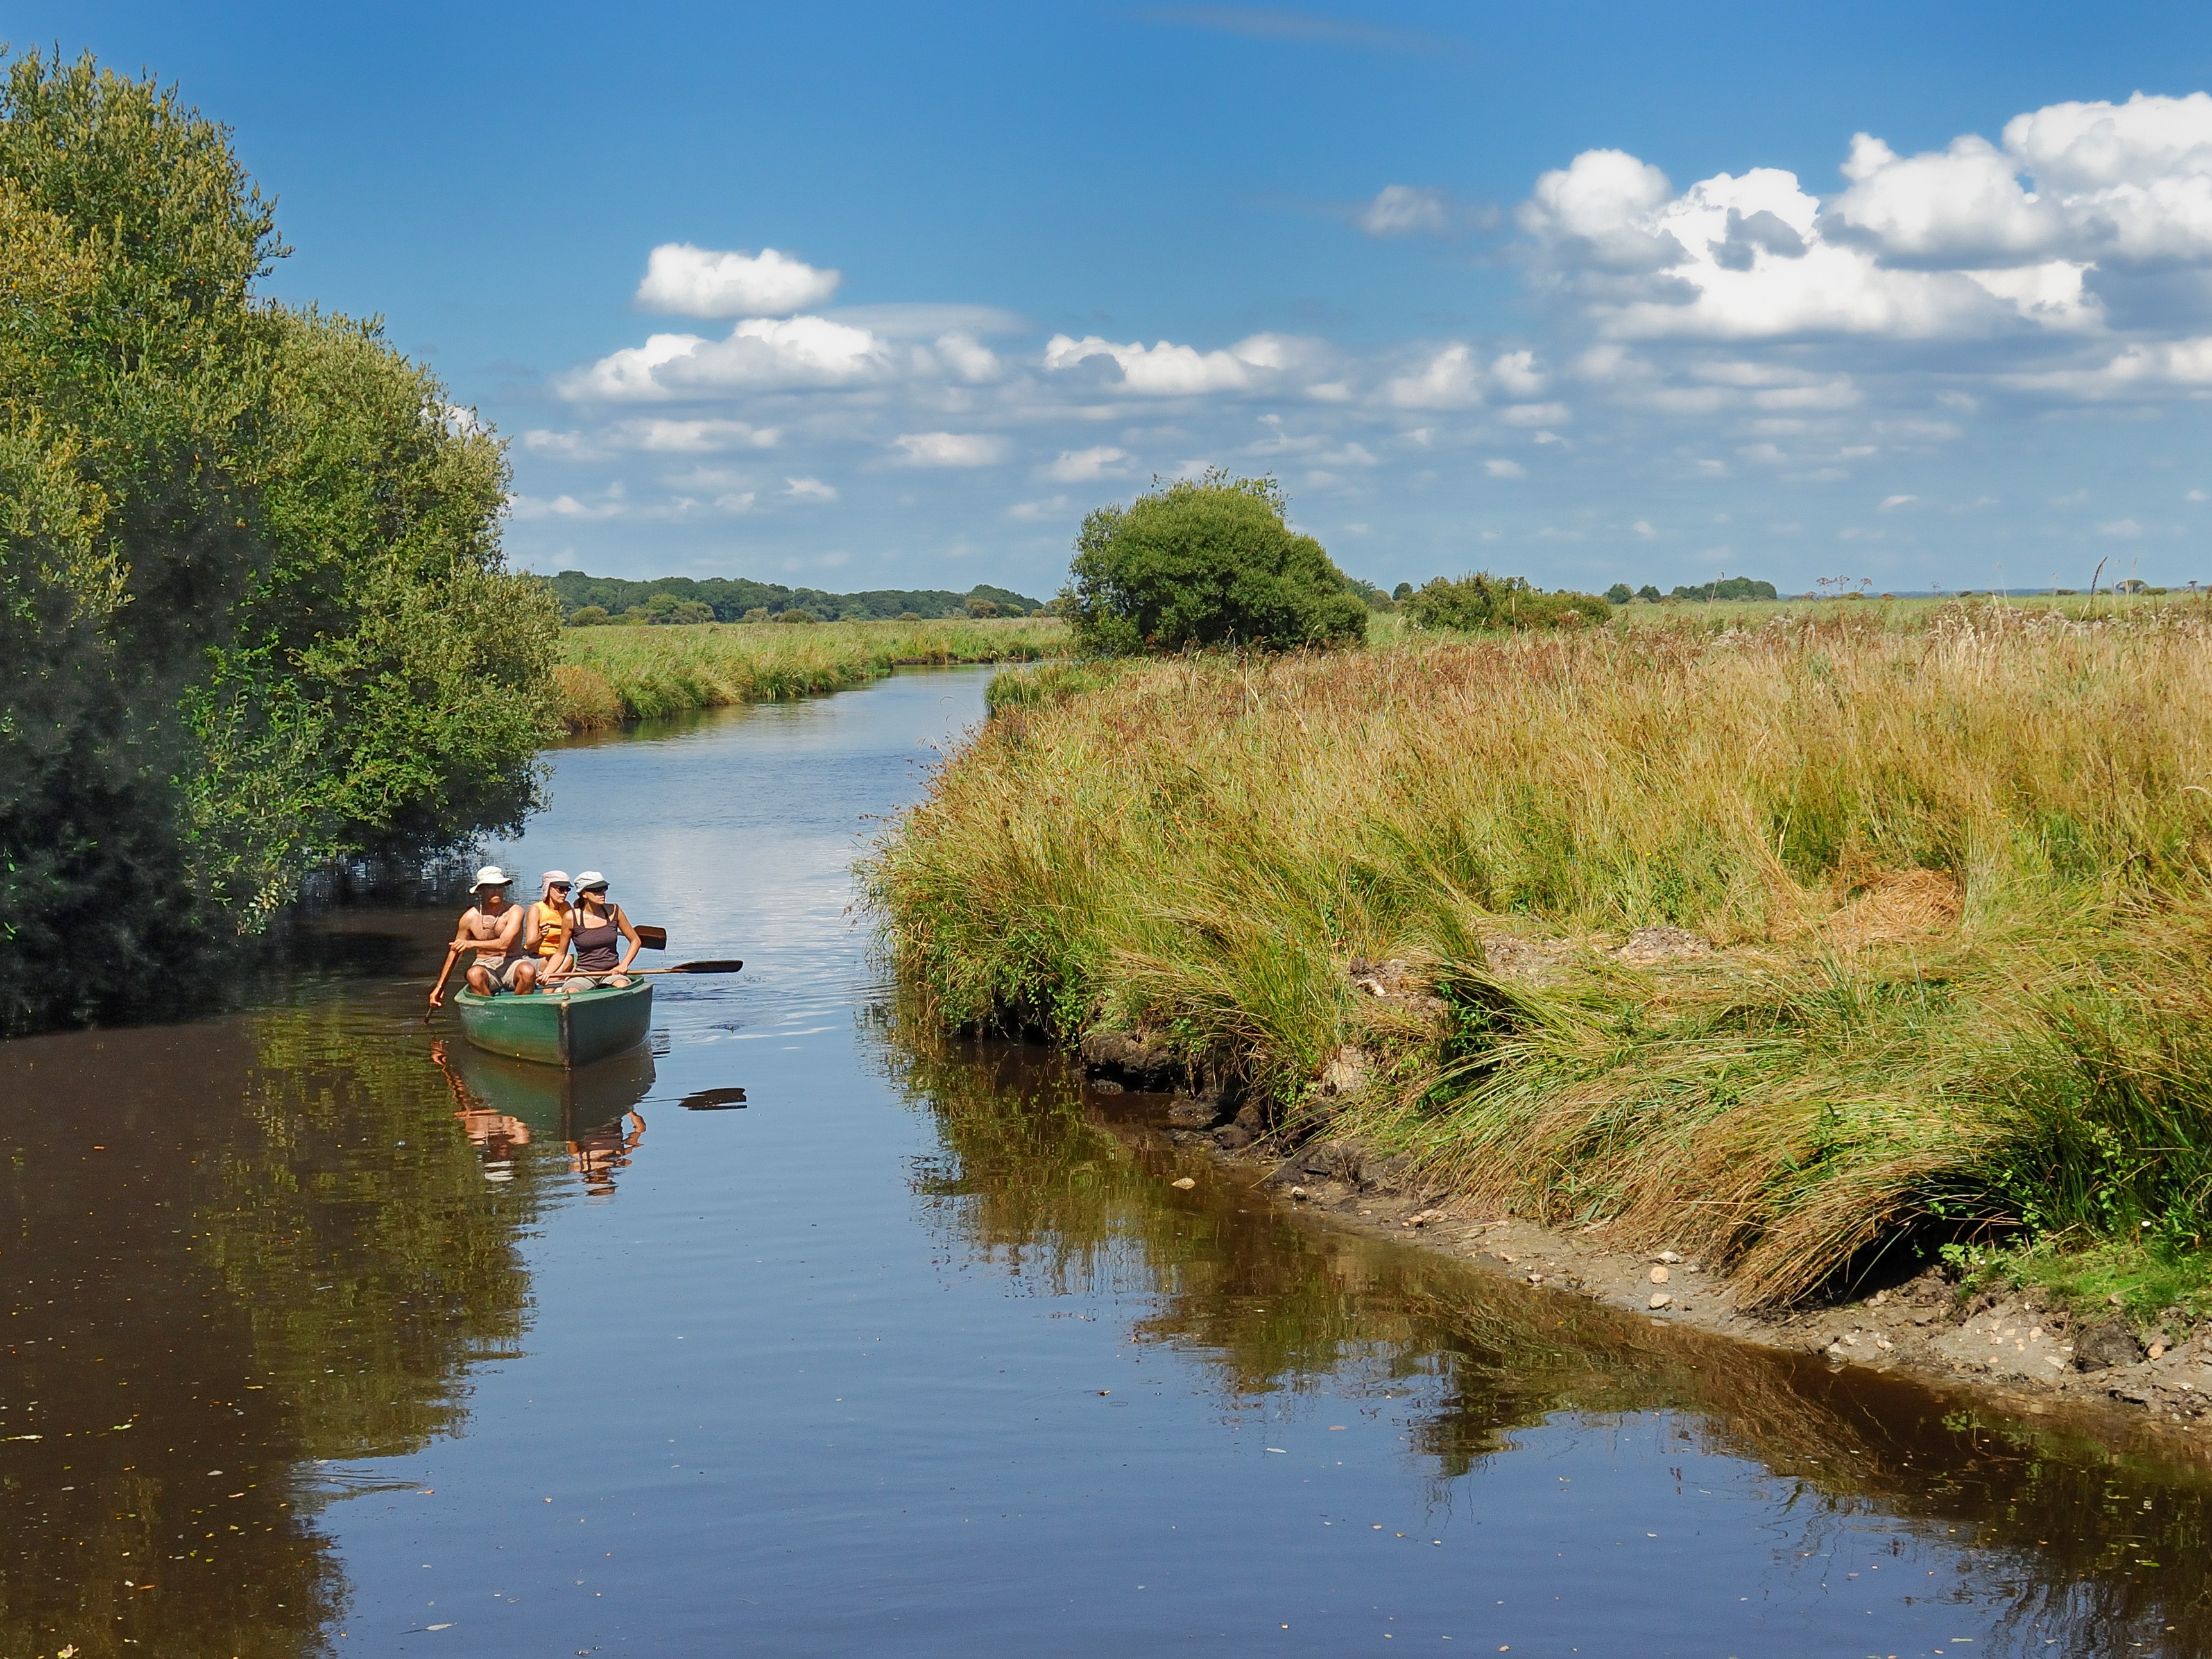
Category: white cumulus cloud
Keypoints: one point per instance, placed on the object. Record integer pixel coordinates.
(683, 280)
(1167, 370)
(950, 448)
(1081, 466)
(761, 354)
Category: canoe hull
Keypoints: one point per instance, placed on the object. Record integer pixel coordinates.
(557, 1030)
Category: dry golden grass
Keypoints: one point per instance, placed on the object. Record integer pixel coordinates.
(1954, 880)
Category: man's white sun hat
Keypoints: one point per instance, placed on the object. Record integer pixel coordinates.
(491, 875)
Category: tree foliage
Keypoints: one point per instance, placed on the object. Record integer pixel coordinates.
(1729, 587)
(1205, 562)
(1486, 601)
(733, 599)
(253, 607)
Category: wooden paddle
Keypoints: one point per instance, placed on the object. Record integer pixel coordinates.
(656, 939)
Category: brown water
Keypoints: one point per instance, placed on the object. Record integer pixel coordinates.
(325, 1335)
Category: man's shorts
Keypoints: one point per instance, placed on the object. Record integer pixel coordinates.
(504, 974)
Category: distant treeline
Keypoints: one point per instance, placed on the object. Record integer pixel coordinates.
(1730, 587)
(729, 599)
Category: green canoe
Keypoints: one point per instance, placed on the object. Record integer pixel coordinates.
(557, 1030)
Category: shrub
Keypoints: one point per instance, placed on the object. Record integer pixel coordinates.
(758, 613)
(589, 616)
(1206, 563)
(1649, 595)
(904, 616)
(1402, 592)
(982, 608)
(1618, 594)
(1481, 601)
(1732, 587)
(797, 614)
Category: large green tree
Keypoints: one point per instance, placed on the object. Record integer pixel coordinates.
(1205, 562)
(249, 572)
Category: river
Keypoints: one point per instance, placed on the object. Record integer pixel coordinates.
(800, 1334)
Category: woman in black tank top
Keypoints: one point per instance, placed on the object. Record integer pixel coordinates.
(597, 943)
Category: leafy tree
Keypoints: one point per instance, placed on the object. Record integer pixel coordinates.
(253, 607)
(1483, 600)
(796, 613)
(1649, 595)
(1205, 562)
(1618, 594)
(1402, 592)
(983, 607)
(588, 616)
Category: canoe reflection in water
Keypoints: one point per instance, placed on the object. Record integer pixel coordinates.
(503, 1105)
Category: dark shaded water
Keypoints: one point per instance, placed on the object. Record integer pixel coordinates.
(324, 1335)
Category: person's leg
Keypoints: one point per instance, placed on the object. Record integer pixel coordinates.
(525, 978)
(480, 980)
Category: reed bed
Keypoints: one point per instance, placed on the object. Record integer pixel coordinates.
(1939, 903)
(611, 676)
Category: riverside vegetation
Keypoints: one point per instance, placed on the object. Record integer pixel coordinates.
(1788, 945)
(254, 615)
(609, 676)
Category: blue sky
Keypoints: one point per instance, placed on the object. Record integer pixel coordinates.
(1578, 293)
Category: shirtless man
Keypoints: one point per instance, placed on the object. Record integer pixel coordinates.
(492, 927)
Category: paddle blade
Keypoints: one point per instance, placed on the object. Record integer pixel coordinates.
(653, 938)
(730, 967)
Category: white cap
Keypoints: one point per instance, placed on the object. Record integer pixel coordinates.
(590, 878)
(491, 875)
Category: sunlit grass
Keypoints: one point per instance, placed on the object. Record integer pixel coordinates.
(1954, 876)
(609, 676)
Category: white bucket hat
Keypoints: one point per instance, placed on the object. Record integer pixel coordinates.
(491, 875)
(551, 879)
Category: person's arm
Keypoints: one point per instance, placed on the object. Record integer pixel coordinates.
(453, 954)
(530, 931)
(510, 930)
(563, 960)
(621, 921)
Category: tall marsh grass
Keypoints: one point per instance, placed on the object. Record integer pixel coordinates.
(1941, 895)
(609, 676)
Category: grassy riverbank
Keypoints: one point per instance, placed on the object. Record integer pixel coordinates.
(1944, 925)
(609, 676)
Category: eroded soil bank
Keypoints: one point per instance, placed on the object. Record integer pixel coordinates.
(2018, 1347)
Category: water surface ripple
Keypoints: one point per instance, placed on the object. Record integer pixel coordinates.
(326, 1335)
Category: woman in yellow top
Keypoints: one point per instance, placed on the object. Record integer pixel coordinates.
(546, 927)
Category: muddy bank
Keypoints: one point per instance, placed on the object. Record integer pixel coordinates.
(2020, 1347)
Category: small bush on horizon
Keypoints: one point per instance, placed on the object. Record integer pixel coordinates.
(1619, 594)
(797, 614)
(589, 616)
(1479, 601)
(1731, 587)
(1206, 563)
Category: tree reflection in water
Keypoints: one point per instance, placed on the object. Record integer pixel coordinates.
(2100, 1533)
(237, 1252)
